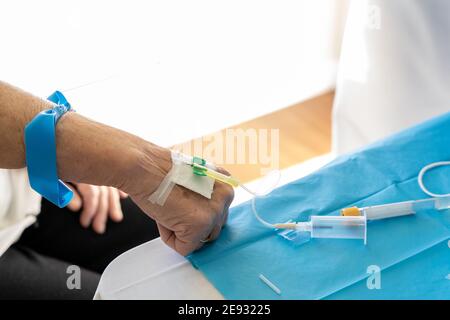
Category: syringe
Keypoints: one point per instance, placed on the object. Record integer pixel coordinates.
(397, 209)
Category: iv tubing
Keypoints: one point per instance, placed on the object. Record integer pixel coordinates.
(422, 173)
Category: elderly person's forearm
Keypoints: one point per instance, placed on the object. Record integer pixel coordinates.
(93, 153)
(87, 151)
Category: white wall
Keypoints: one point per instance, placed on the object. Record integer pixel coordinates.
(176, 68)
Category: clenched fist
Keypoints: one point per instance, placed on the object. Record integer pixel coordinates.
(187, 220)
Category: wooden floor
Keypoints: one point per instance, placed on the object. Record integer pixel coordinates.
(304, 131)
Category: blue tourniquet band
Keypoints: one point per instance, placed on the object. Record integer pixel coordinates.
(40, 148)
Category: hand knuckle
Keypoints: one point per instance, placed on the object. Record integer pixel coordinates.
(229, 192)
(205, 221)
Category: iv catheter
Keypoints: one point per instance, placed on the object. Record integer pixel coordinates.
(191, 160)
(205, 171)
(202, 168)
(398, 208)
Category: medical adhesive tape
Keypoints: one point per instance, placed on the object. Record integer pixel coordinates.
(162, 192)
(182, 174)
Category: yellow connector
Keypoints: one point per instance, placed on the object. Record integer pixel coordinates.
(217, 175)
(352, 211)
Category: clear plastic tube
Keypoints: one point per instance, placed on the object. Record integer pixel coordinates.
(422, 173)
(397, 209)
(338, 227)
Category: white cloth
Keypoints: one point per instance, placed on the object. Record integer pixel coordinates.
(154, 271)
(394, 70)
(19, 206)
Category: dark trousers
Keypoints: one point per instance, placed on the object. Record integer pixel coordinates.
(36, 267)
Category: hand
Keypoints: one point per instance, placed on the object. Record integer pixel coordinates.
(187, 219)
(97, 203)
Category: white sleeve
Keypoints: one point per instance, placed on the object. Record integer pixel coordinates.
(25, 201)
(19, 205)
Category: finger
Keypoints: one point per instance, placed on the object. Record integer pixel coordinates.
(76, 202)
(123, 195)
(186, 248)
(167, 236)
(89, 195)
(218, 227)
(115, 210)
(214, 233)
(199, 246)
(170, 239)
(228, 200)
(101, 216)
(225, 218)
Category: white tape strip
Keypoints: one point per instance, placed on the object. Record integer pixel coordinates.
(164, 189)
